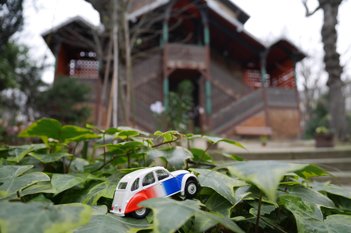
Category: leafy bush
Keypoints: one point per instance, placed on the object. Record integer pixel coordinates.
(67, 182)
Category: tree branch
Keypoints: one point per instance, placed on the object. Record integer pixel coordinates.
(308, 12)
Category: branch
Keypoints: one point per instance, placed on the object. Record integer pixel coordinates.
(308, 12)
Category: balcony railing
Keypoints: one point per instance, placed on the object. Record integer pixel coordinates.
(181, 56)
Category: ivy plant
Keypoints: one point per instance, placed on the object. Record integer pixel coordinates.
(64, 181)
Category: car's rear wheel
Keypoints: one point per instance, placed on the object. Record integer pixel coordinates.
(140, 213)
(191, 188)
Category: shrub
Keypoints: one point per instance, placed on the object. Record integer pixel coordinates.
(61, 186)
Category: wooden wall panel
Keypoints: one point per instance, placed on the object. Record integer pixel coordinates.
(284, 122)
(257, 120)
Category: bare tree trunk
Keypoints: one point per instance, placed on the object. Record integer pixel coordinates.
(128, 58)
(103, 97)
(115, 67)
(332, 65)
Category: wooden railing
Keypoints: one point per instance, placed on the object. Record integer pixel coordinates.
(182, 56)
(232, 115)
(281, 97)
(238, 111)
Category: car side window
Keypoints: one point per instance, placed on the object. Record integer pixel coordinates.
(149, 179)
(162, 174)
(135, 185)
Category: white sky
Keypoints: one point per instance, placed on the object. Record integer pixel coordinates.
(270, 20)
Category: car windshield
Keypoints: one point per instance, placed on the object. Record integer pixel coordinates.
(122, 185)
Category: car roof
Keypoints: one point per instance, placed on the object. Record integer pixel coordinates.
(139, 173)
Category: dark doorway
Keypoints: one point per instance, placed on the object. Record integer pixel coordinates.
(176, 78)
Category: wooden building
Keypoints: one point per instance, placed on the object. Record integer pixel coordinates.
(242, 87)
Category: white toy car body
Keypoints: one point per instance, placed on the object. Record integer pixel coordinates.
(147, 183)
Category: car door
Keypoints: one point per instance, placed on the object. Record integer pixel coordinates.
(166, 183)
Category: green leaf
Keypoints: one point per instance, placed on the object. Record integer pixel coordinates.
(71, 133)
(16, 183)
(168, 135)
(200, 155)
(175, 157)
(310, 195)
(215, 140)
(332, 189)
(40, 187)
(62, 182)
(167, 210)
(39, 217)
(218, 203)
(49, 158)
(50, 128)
(103, 189)
(307, 215)
(220, 183)
(265, 175)
(19, 152)
(338, 223)
(311, 170)
(44, 128)
(112, 224)
(10, 172)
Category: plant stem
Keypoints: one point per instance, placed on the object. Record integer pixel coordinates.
(258, 213)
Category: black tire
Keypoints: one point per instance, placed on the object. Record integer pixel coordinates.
(140, 213)
(190, 189)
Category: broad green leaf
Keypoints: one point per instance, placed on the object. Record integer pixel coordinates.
(218, 203)
(44, 128)
(103, 189)
(37, 217)
(175, 157)
(50, 128)
(17, 183)
(78, 165)
(312, 170)
(338, 223)
(309, 195)
(307, 215)
(112, 224)
(40, 187)
(62, 182)
(200, 155)
(167, 210)
(332, 189)
(265, 175)
(10, 172)
(19, 152)
(99, 210)
(124, 147)
(220, 183)
(215, 140)
(71, 133)
(49, 158)
(168, 136)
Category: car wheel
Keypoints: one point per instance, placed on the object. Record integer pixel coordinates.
(191, 188)
(140, 213)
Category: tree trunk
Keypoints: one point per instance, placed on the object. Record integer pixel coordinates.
(332, 65)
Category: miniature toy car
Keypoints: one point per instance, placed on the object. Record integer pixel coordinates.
(147, 183)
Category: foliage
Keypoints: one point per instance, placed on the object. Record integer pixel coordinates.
(11, 20)
(59, 186)
(65, 101)
(319, 117)
(181, 104)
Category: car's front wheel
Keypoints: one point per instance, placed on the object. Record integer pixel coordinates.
(191, 188)
(140, 213)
